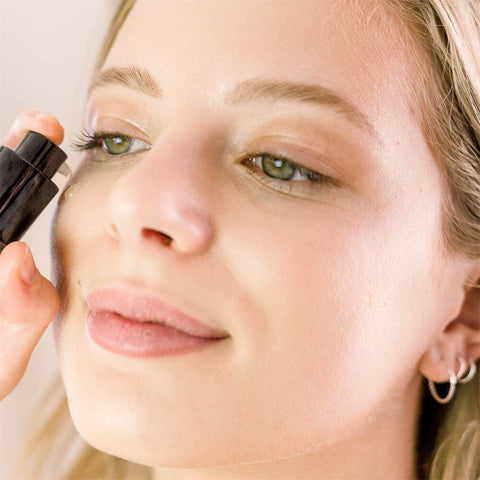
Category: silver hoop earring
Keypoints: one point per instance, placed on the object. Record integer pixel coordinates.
(463, 366)
(471, 373)
(451, 391)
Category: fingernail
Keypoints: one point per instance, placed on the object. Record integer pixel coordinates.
(43, 116)
(28, 270)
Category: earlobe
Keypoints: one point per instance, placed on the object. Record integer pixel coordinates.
(461, 337)
(442, 356)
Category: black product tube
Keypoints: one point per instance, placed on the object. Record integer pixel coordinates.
(26, 185)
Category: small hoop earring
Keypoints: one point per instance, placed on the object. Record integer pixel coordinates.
(463, 366)
(451, 391)
(471, 373)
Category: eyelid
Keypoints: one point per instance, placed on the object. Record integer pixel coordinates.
(300, 154)
(112, 123)
(95, 143)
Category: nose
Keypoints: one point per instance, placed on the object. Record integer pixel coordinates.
(160, 201)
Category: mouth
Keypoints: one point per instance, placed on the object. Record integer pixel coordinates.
(134, 322)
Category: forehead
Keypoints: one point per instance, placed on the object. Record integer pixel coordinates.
(346, 45)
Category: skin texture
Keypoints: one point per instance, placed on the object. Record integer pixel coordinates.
(333, 296)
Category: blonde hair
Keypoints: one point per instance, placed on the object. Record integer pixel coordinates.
(446, 44)
(448, 34)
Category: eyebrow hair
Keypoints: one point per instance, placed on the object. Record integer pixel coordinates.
(130, 77)
(255, 89)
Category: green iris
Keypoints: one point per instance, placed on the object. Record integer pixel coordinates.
(117, 145)
(278, 168)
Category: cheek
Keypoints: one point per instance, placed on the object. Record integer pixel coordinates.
(341, 295)
(78, 223)
(80, 218)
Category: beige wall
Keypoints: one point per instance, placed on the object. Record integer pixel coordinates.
(46, 52)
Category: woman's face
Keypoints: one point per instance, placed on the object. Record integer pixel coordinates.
(330, 287)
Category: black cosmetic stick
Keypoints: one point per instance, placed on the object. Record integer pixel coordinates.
(26, 185)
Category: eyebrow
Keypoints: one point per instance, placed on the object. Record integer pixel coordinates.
(130, 77)
(251, 90)
(258, 89)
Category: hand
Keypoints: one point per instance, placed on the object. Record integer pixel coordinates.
(28, 301)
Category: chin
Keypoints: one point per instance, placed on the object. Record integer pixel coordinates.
(125, 430)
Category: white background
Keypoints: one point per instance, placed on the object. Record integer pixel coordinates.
(47, 51)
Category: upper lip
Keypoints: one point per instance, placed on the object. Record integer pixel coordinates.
(144, 306)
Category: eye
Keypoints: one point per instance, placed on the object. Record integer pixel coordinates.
(283, 174)
(276, 167)
(117, 145)
(112, 143)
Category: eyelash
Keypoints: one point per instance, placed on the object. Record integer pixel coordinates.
(86, 140)
(312, 180)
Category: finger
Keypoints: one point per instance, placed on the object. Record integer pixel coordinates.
(27, 305)
(35, 121)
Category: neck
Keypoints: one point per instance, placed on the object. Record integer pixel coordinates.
(384, 449)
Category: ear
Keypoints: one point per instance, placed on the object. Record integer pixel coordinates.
(460, 337)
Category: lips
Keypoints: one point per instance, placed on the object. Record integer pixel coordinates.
(139, 305)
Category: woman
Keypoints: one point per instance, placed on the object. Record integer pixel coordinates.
(302, 181)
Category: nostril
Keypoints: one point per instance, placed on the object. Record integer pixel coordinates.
(155, 235)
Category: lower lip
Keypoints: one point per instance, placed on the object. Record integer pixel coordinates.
(140, 339)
